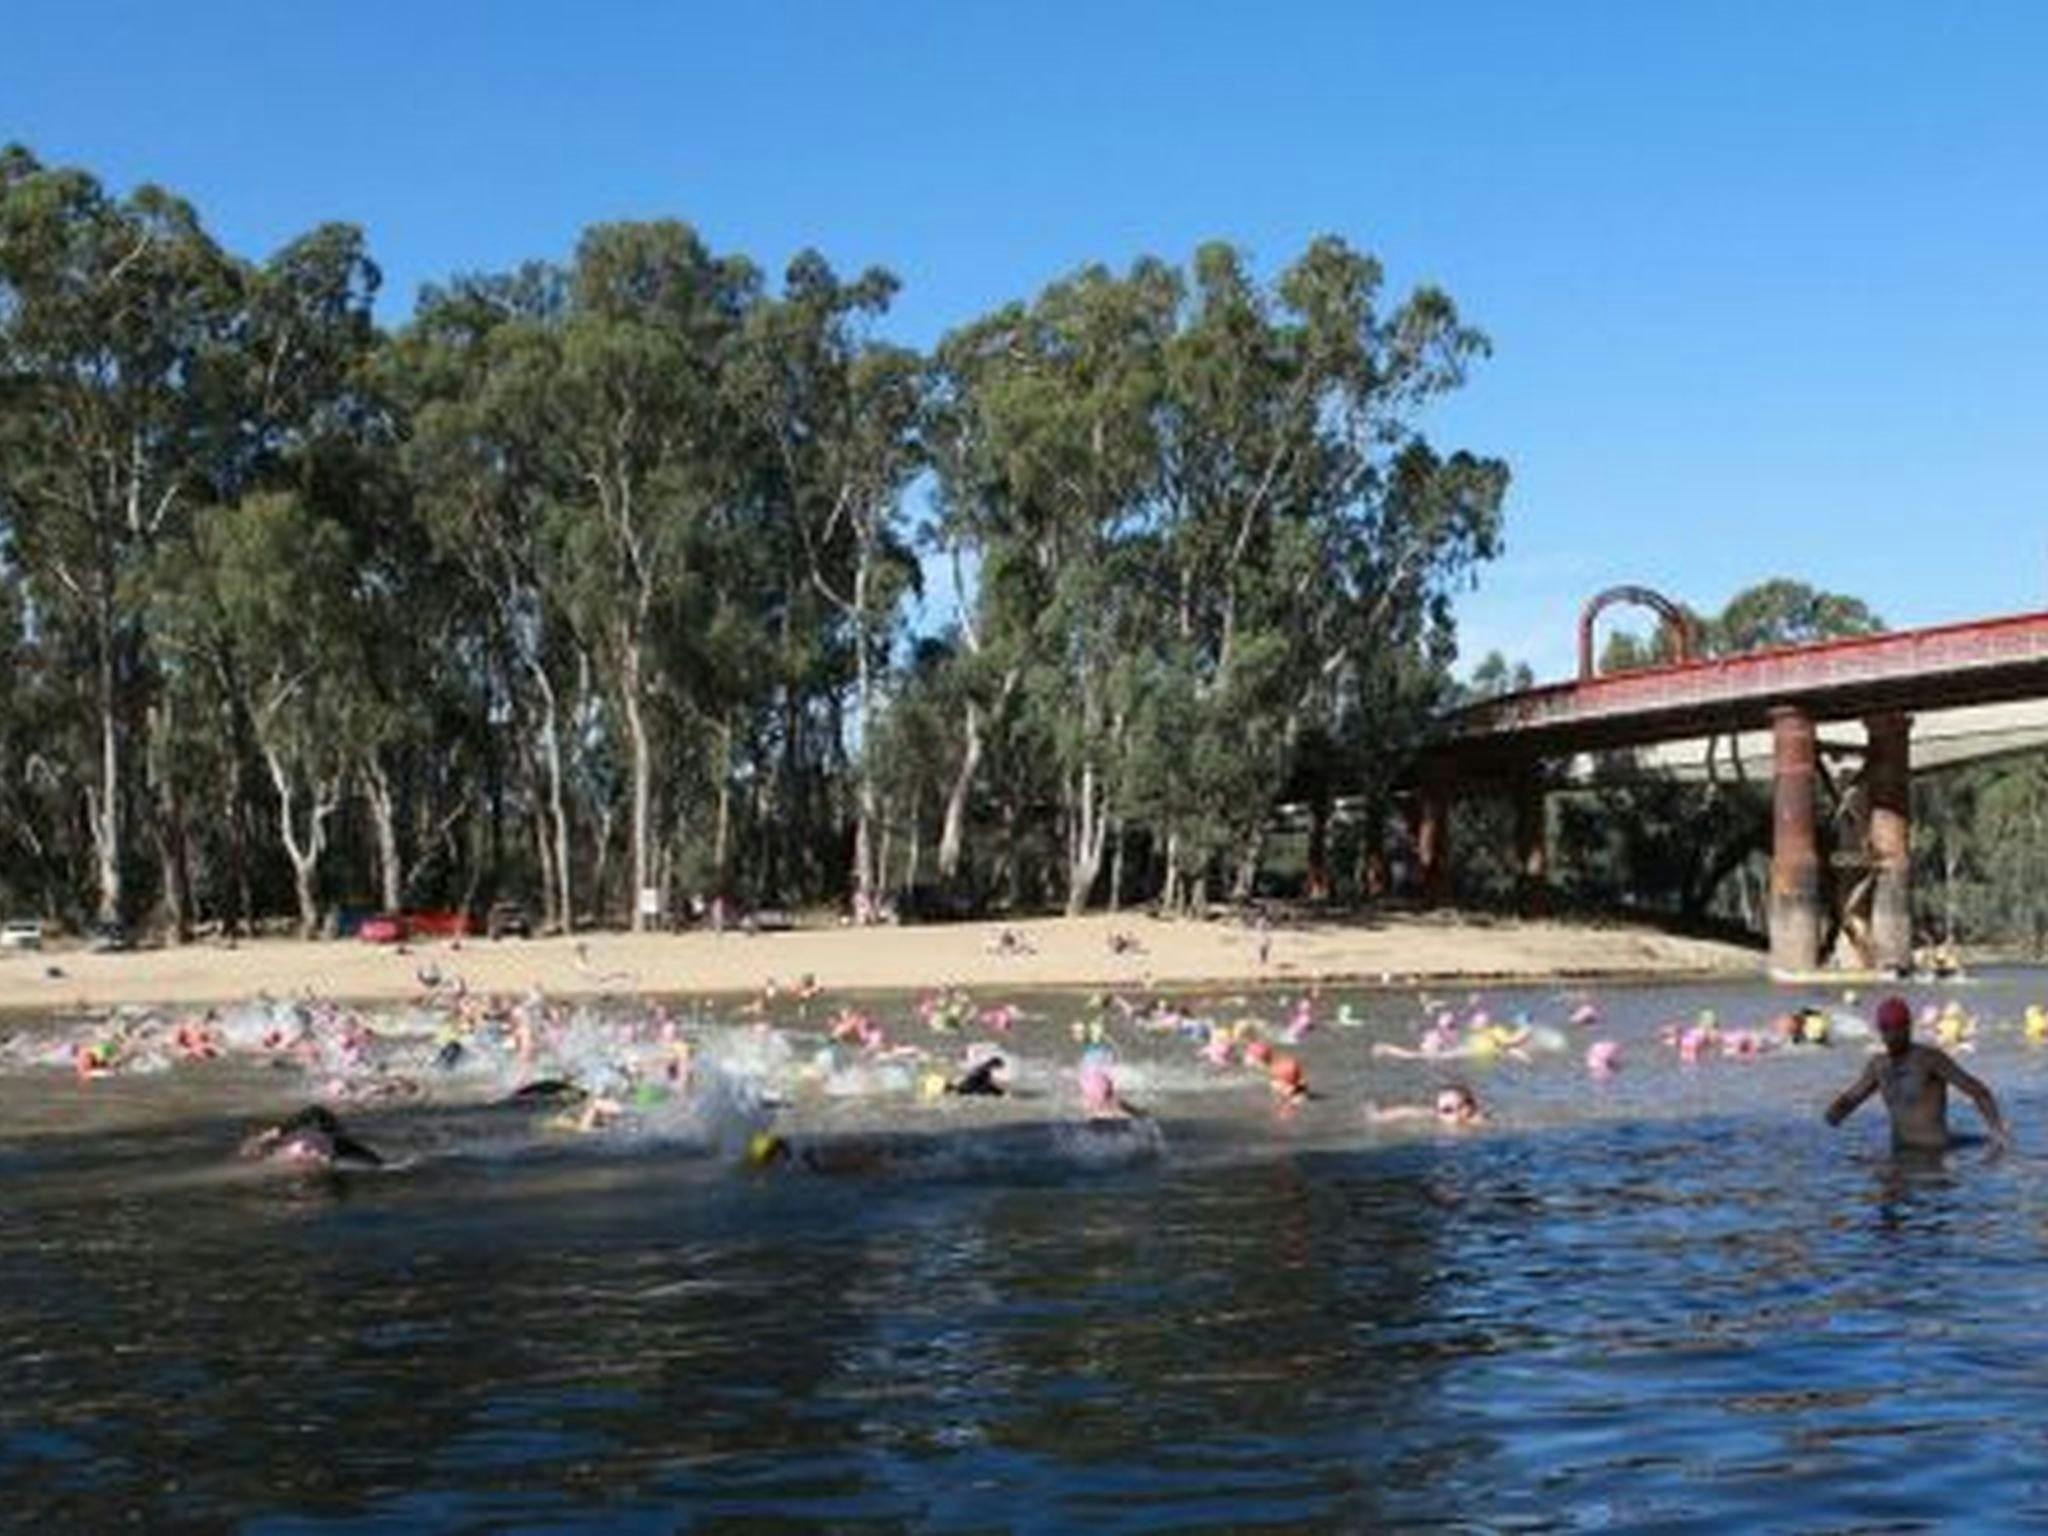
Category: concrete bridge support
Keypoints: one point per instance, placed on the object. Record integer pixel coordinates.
(1795, 849)
(1888, 776)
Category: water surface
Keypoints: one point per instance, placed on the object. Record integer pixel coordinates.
(1671, 1301)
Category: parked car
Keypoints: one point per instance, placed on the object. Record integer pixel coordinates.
(384, 928)
(105, 937)
(21, 933)
(508, 920)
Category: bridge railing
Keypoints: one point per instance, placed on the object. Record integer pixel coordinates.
(1748, 684)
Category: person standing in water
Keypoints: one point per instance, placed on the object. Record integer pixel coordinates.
(1915, 1080)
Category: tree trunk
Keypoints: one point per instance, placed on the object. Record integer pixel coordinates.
(1087, 828)
(1319, 846)
(551, 894)
(304, 856)
(721, 838)
(953, 831)
(558, 869)
(867, 904)
(390, 868)
(106, 820)
(173, 838)
(1246, 881)
(916, 855)
(643, 786)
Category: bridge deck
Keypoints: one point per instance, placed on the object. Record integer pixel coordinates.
(1982, 662)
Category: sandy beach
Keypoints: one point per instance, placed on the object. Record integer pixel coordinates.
(1045, 952)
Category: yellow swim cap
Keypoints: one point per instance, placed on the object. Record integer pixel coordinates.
(765, 1147)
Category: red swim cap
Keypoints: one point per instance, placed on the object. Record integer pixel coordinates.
(1287, 1071)
(1894, 1013)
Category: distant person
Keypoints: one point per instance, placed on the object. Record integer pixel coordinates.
(1915, 1081)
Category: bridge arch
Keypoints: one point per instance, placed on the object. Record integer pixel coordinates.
(1681, 622)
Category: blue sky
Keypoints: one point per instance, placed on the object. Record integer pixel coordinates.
(1766, 282)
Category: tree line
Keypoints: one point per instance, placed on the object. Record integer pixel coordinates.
(600, 584)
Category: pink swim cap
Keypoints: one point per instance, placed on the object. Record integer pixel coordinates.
(1098, 1088)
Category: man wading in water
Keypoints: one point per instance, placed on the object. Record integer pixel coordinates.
(1914, 1080)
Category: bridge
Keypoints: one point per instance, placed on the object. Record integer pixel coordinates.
(1981, 687)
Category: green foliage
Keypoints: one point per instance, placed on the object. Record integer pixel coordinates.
(600, 575)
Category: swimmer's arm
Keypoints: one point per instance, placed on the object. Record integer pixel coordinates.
(1394, 1114)
(1846, 1102)
(1946, 1068)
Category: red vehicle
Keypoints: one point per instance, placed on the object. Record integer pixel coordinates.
(384, 928)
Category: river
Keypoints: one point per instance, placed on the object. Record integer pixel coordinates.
(1671, 1299)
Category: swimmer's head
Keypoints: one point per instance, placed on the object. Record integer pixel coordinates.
(1895, 1024)
(1098, 1088)
(767, 1150)
(1288, 1078)
(1455, 1105)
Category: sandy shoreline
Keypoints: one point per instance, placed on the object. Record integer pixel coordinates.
(1054, 952)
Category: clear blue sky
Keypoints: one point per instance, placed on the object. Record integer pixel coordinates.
(1768, 283)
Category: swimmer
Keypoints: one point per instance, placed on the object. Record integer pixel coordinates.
(982, 1080)
(1914, 1080)
(552, 1092)
(767, 1150)
(1456, 1109)
(1288, 1080)
(313, 1138)
(1099, 1095)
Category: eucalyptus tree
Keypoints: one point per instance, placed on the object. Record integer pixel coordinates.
(839, 414)
(472, 373)
(109, 310)
(1313, 535)
(1054, 456)
(635, 415)
(266, 589)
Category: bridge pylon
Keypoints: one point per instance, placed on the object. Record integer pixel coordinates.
(1795, 844)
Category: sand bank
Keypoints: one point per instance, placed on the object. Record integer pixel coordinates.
(1046, 952)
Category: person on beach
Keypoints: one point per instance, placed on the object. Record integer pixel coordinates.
(1914, 1080)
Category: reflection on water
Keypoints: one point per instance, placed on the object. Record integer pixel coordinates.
(1673, 1300)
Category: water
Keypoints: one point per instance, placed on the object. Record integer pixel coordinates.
(1672, 1301)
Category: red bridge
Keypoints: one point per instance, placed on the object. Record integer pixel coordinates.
(1880, 680)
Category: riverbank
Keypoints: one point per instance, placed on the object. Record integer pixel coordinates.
(1125, 951)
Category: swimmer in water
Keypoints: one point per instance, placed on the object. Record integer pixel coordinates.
(1100, 1097)
(1914, 1080)
(1288, 1079)
(768, 1150)
(1456, 1109)
(982, 1080)
(313, 1137)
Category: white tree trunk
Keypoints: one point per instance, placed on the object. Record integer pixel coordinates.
(305, 852)
(563, 895)
(643, 786)
(106, 823)
(383, 816)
